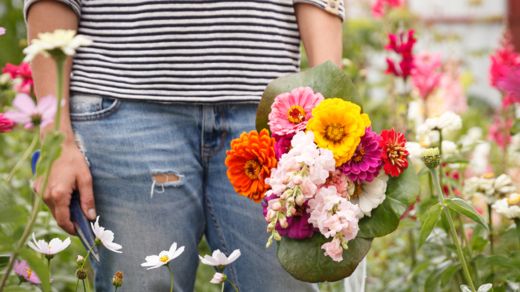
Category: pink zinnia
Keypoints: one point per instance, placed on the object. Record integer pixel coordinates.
(379, 6)
(6, 125)
(402, 44)
(291, 111)
(22, 269)
(22, 71)
(426, 75)
(366, 162)
(502, 60)
(29, 114)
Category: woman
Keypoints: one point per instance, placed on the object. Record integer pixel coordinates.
(154, 103)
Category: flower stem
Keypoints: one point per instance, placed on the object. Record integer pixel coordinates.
(84, 286)
(223, 284)
(490, 234)
(171, 277)
(452, 230)
(25, 155)
(233, 285)
(59, 60)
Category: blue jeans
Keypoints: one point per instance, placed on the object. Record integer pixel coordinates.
(159, 177)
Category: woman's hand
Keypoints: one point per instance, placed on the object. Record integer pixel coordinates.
(68, 173)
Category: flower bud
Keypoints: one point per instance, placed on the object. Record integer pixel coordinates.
(300, 199)
(218, 278)
(283, 222)
(277, 236)
(79, 261)
(117, 280)
(275, 205)
(81, 274)
(431, 157)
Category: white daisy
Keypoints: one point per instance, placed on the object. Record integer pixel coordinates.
(219, 259)
(62, 40)
(53, 247)
(371, 194)
(163, 258)
(508, 207)
(105, 236)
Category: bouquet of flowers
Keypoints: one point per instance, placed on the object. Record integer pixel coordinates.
(327, 181)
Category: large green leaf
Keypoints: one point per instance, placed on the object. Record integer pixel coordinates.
(460, 206)
(305, 260)
(400, 193)
(326, 78)
(39, 266)
(51, 150)
(428, 222)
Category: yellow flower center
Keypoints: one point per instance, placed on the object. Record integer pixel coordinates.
(396, 155)
(29, 272)
(513, 199)
(164, 258)
(360, 153)
(296, 114)
(252, 169)
(334, 132)
(488, 175)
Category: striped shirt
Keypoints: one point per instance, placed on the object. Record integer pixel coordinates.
(186, 50)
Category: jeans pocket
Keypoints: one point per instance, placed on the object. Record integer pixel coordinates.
(91, 107)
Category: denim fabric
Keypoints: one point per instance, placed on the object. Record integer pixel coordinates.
(126, 142)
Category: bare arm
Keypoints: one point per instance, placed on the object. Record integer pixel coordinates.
(70, 171)
(321, 33)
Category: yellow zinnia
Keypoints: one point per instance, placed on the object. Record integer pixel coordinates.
(338, 125)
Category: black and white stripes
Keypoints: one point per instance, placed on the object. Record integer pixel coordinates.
(186, 50)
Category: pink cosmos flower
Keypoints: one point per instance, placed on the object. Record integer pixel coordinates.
(2, 31)
(291, 111)
(502, 59)
(379, 6)
(402, 44)
(6, 125)
(500, 131)
(24, 73)
(426, 75)
(22, 269)
(30, 114)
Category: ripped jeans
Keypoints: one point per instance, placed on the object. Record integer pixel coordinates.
(159, 177)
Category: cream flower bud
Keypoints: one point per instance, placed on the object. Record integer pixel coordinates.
(431, 157)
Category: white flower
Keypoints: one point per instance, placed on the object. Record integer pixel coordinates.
(218, 278)
(219, 259)
(64, 40)
(449, 148)
(490, 188)
(471, 139)
(508, 207)
(164, 257)
(49, 248)
(479, 162)
(105, 236)
(447, 123)
(483, 288)
(372, 194)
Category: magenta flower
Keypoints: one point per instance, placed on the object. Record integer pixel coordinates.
(426, 75)
(380, 7)
(401, 44)
(29, 114)
(6, 125)
(509, 83)
(282, 145)
(366, 162)
(502, 59)
(298, 226)
(23, 72)
(22, 269)
(291, 111)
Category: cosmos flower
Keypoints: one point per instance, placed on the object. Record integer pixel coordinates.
(163, 258)
(30, 114)
(219, 259)
(51, 248)
(22, 269)
(105, 237)
(59, 41)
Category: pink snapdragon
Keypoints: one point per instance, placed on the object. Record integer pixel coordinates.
(502, 60)
(22, 73)
(29, 114)
(426, 74)
(510, 85)
(401, 44)
(380, 7)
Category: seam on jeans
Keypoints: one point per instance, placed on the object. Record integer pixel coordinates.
(79, 142)
(221, 237)
(98, 114)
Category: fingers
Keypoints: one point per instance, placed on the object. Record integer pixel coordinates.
(86, 195)
(59, 201)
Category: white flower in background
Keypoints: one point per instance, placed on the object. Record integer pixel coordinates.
(489, 187)
(62, 40)
(163, 258)
(105, 236)
(449, 148)
(218, 278)
(483, 288)
(514, 150)
(471, 139)
(479, 162)
(371, 195)
(447, 123)
(508, 207)
(219, 259)
(51, 248)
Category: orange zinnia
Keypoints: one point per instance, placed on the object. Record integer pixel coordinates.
(249, 163)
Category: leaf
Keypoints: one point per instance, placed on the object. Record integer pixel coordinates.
(326, 78)
(516, 127)
(382, 221)
(39, 267)
(460, 206)
(405, 187)
(306, 261)
(428, 222)
(447, 273)
(51, 150)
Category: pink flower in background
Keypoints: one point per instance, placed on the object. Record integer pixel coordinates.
(366, 162)
(502, 60)
(6, 125)
(401, 44)
(379, 7)
(509, 83)
(29, 114)
(24, 73)
(426, 74)
(291, 111)
(451, 90)
(500, 131)
(22, 269)
(2, 31)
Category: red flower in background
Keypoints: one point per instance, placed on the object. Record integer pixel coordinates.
(379, 7)
(502, 60)
(23, 72)
(509, 83)
(402, 44)
(6, 125)
(394, 152)
(500, 131)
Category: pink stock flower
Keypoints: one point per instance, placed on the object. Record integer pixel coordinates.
(22, 269)
(333, 249)
(500, 131)
(502, 59)
(291, 111)
(402, 44)
(24, 73)
(380, 7)
(6, 125)
(29, 114)
(509, 83)
(426, 75)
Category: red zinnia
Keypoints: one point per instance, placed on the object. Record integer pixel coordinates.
(394, 152)
(6, 125)
(401, 44)
(22, 71)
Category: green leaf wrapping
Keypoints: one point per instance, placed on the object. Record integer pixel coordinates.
(327, 79)
(306, 261)
(460, 206)
(428, 222)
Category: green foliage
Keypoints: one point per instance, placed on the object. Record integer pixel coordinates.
(428, 222)
(460, 206)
